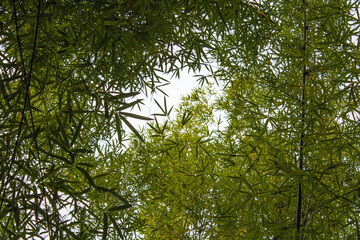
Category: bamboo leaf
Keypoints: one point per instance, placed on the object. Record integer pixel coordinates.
(129, 105)
(63, 133)
(120, 207)
(117, 228)
(77, 132)
(78, 150)
(135, 116)
(87, 176)
(124, 95)
(61, 144)
(106, 107)
(115, 194)
(105, 226)
(118, 127)
(56, 156)
(132, 128)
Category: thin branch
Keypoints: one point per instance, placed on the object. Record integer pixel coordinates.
(302, 143)
(221, 15)
(27, 80)
(128, 169)
(5, 180)
(315, 16)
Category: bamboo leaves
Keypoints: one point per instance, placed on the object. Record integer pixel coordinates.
(74, 175)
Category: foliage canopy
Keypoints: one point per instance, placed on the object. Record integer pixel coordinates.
(285, 166)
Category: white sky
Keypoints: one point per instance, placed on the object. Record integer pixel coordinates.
(175, 90)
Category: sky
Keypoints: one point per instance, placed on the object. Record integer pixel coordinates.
(175, 90)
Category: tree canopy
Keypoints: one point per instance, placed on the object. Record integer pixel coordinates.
(281, 163)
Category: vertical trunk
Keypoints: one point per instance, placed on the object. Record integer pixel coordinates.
(302, 134)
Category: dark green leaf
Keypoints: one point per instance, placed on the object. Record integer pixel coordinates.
(135, 116)
(87, 176)
(117, 228)
(105, 226)
(77, 132)
(120, 207)
(132, 128)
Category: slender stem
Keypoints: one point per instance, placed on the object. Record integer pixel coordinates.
(357, 227)
(6, 179)
(27, 103)
(302, 142)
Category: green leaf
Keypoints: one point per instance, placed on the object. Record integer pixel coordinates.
(186, 117)
(129, 105)
(77, 132)
(124, 95)
(87, 176)
(56, 156)
(132, 128)
(60, 144)
(112, 191)
(107, 115)
(85, 164)
(63, 132)
(78, 150)
(135, 116)
(105, 226)
(117, 228)
(118, 127)
(120, 207)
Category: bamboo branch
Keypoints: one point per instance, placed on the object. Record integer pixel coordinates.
(302, 143)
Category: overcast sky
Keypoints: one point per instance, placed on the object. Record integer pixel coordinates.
(175, 90)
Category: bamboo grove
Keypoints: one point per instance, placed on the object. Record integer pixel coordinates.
(282, 161)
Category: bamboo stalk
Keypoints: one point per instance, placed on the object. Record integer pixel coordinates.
(302, 142)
